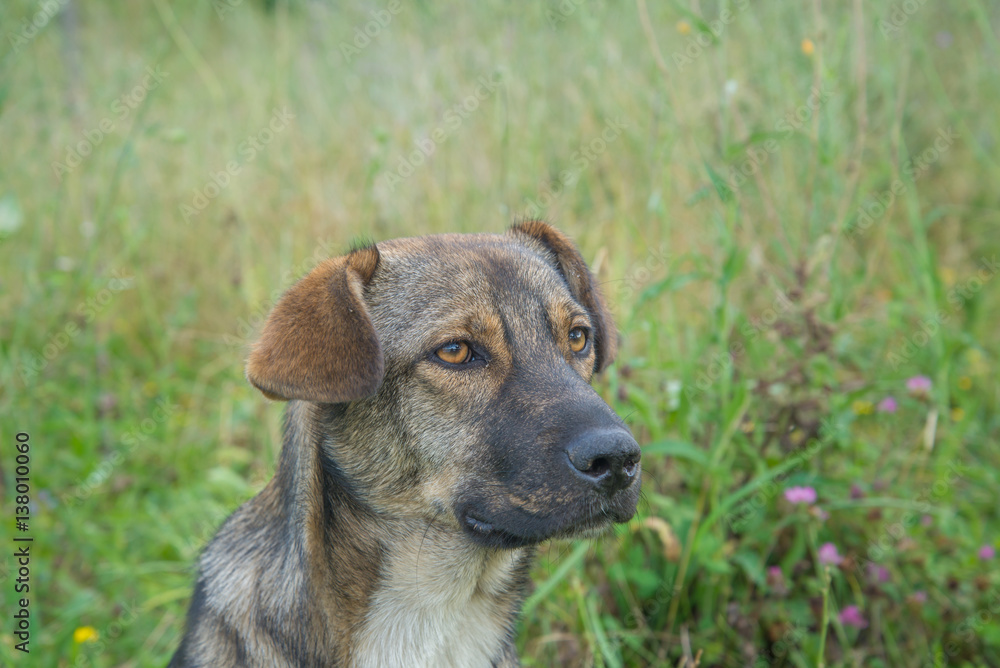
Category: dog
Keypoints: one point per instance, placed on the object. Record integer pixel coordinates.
(440, 425)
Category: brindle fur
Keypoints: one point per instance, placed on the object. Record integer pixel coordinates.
(400, 525)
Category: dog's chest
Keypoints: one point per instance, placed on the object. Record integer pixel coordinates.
(440, 608)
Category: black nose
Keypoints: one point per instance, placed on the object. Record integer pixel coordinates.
(607, 459)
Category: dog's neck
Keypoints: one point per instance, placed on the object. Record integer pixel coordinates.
(442, 601)
(414, 593)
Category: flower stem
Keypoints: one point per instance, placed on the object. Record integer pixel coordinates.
(821, 658)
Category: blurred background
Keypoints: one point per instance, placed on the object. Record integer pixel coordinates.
(792, 207)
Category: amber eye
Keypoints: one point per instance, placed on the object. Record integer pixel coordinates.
(456, 352)
(577, 339)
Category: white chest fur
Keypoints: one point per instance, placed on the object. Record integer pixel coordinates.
(437, 606)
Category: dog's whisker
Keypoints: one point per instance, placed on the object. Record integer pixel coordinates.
(416, 569)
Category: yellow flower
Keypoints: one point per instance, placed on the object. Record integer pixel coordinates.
(965, 383)
(808, 47)
(748, 427)
(861, 407)
(977, 362)
(947, 276)
(85, 634)
(957, 414)
(683, 27)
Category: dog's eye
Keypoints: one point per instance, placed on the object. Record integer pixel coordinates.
(578, 339)
(456, 352)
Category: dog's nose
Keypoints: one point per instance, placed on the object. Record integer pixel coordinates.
(607, 459)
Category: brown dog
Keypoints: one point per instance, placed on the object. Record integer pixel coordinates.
(440, 426)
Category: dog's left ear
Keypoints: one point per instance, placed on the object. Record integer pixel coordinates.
(318, 343)
(581, 284)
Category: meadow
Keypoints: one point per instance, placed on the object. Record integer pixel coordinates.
(792, 208)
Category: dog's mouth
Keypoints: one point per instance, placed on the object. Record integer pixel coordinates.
(493, 534)
(488, 535)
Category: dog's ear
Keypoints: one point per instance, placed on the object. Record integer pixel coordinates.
(318, 343)
(581, 284)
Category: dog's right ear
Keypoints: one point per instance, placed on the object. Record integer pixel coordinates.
(318, 343)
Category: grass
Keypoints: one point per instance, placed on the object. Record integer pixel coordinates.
(793, 210)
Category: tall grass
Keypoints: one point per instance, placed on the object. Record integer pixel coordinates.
(757, 185)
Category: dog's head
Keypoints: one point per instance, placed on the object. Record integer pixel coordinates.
(458, 370)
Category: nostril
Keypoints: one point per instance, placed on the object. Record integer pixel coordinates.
(598, 468)
(631, 466)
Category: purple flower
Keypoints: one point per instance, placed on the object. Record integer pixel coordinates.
(819, 513)
(776, 580)
(927, 520)
(887, 405)
(877, 574)
(828, 554)
(986, 552)
(851, 616)
(919, 596)
(800, 495)
(856, 491)
(919, 386)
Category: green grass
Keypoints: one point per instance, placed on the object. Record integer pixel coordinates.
(763, 318)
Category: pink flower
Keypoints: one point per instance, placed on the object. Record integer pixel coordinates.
(800, 495)
(828, 554)
(919, 596)
(856, 491)
(819, 513)
(776, 581)
(851, 616)
(927, 520)
(887, 405)
(986, 552)
(877, 574)
(919, 386)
